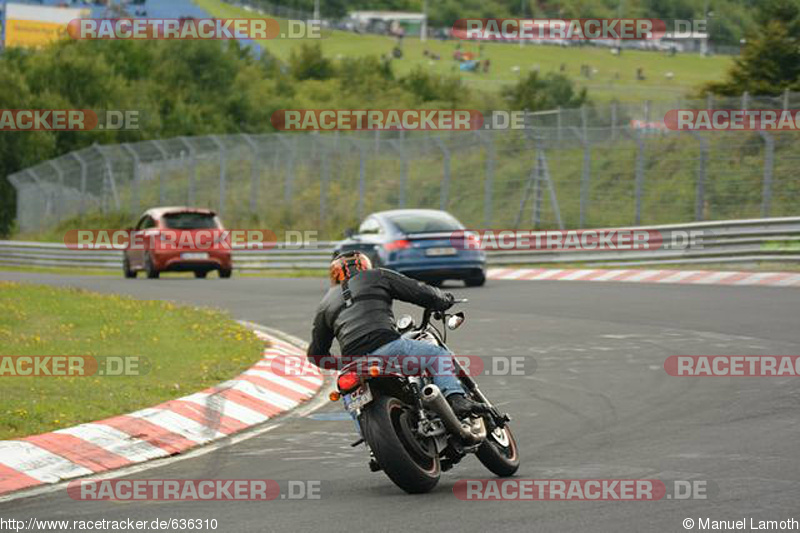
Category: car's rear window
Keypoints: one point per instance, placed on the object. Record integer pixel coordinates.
(190, 221)
(425, 223)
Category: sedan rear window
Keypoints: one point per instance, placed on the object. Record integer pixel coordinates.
(425, 223)
(190, 221)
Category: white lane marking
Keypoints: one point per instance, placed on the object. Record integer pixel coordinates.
(226, 407)
(115, 441)
(38, 463)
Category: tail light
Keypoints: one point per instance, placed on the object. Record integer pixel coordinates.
(348, 381)
(402, 244)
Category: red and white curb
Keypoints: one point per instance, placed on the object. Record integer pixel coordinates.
(691, 277)
(257, 395)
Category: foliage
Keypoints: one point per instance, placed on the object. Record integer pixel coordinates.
(536, 93)
(770, 62)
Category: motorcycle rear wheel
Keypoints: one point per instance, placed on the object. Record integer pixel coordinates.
(499, 452)
(412, 465)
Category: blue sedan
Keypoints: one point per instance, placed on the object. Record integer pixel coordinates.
(425, 244)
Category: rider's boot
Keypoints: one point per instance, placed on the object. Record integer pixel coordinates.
(463, 406)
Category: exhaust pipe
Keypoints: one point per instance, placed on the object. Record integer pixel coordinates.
(433, 399)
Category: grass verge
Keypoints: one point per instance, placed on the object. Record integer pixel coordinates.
(614, 79)
(185, 349)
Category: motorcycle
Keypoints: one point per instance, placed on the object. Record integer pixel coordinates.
(407, 424)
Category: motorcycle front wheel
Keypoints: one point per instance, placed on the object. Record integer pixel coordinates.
(499, 452)
(412, 465)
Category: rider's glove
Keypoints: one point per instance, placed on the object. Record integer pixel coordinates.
(450, 301)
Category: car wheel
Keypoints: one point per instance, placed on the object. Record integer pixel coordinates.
(150, 268)
(126, 268)
(476, 281)
(200, 274)
(225, 273)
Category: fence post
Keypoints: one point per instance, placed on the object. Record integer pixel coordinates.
(583, 121)
(558, 123)
(254, 173)
(60, 174)
(362, 181)
(135, 201)
(614, 120)
(223, 160)
(362, 176)
(639, 178)
(585, 175)
(786, 99)
(109, 175)
(323, 184)
(745, 100)
(488, 184)
(700, 180)
(444, 194)
(162, 193)
(766, 192)
(287, 184)
(84, 171)
(399, 148)
(191, 193)
(48, 204)
(709, 101)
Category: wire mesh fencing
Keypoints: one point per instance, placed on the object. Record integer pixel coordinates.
(610, 166)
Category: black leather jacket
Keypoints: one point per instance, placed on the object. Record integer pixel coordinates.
(368, 323)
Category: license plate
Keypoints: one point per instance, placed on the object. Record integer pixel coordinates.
(194, 256)
(438, 252)
(359, 398)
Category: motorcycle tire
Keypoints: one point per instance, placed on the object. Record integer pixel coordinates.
(411, 465)
(499, 452)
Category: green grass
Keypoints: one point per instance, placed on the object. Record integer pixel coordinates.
(187, 349)
(690, 70)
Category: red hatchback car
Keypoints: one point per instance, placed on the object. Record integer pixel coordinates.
(167, 239)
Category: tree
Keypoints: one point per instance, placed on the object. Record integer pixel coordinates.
(770, 61)
(536, 93)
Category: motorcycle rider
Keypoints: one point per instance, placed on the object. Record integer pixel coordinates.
(357, 311)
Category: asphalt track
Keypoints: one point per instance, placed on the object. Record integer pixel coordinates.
(598, 405)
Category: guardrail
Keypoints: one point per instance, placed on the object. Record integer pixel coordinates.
(727, 241)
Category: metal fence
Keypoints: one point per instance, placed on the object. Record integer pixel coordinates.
(607, 166)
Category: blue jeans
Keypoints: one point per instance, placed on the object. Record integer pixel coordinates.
(445, 380)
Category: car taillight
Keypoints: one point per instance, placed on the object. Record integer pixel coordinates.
(348, 381)
(402, 244)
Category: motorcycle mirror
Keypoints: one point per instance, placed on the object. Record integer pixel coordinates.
(455, 321)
